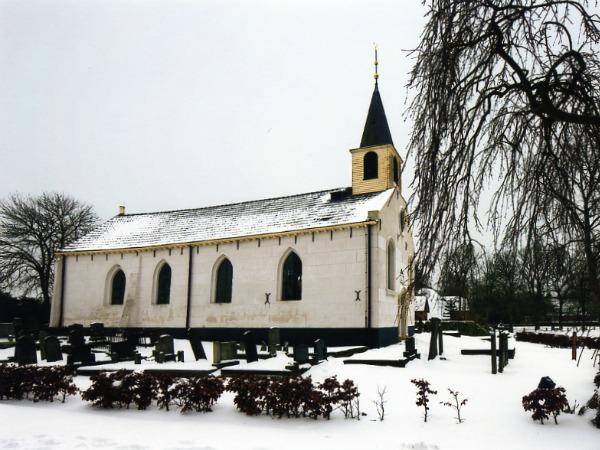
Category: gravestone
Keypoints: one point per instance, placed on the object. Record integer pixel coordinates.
(164, 349)
(165, 344)
(250, 347)
(52, 349)
(224, 351)
(440, 340)
(197, 347)
(301, 354)
(122, 350)
(25, 352)
(18, 327)
(97, 331)
(320, 350)
(410, 348)
(433, 342)
(42, 335)
(76, 337)
(180, 356)
(82, 354)
(274, 340)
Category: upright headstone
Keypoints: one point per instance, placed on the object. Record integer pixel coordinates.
(97, 331)
(76, 337)
(574, 346)
(224, 351)
(25, 352)
(320, 350)
(440, 340)
(250, 346)
(42, 335)
(433, 341)
(51, 345)
(409, 347)
(274, 340)
(18, 327)
(165, 344)
(301, 353)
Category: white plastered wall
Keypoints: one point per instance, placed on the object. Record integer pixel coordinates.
(334, 267)
(386, 307)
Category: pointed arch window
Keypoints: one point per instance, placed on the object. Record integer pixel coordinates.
(224, 282)
(370, 166)
(117, 288)
(391, 265)
(163, 287)
(291, 278)
(396, 170)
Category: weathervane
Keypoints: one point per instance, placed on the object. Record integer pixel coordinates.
(376, 76)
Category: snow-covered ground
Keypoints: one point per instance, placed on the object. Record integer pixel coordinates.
(494, 416)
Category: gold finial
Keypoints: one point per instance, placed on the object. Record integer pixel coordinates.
(376, 76)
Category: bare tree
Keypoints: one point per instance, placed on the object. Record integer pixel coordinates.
(502, 90)
(32, 229)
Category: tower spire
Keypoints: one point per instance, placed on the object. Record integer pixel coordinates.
(376, 131)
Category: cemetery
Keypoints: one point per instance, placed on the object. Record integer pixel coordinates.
(244, 386)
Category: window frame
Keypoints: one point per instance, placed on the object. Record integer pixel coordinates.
(157, 284)
(215, 281)
(371, 167)
(282, 276)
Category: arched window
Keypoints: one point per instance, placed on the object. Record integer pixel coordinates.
(396, 170)
(163, 285)
(117, 291)
(391, 265)
(370, 166)
(291, 278)
(224, 282)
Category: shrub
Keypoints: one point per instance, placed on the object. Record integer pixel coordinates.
(456, 403)
(42, 383)
(423, 392)
(198, 394)
(292, 397)
(545, 403)
(165, 385)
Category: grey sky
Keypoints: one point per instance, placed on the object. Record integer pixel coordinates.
(179, 104)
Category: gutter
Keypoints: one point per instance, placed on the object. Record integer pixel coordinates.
(369, 322)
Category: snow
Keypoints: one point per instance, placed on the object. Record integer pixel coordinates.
(494, 415)
(274, 215)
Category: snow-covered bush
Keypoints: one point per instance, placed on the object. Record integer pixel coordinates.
(198, 394)
(42, 383)
(165, 386)
(423, 393)
(292, 397)
(546, 402)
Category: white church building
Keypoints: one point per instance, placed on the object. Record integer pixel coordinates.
(335, 264)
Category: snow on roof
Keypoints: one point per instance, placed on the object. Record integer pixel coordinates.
(273, 215)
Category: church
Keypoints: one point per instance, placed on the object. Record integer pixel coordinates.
(335, 264)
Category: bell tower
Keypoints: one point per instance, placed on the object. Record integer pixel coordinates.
(376, 164)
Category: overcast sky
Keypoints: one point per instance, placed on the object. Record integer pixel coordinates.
(169, 104)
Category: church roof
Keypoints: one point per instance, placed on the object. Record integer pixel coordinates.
(376, 131)
(331, 207)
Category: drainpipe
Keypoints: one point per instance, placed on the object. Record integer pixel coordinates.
(189, 291)
(369, 322)
(63, 270)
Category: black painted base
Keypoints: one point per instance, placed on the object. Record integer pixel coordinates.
(333, 337)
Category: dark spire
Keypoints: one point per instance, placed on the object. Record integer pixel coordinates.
(377, 131)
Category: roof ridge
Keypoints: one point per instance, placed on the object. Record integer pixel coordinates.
(230, 204)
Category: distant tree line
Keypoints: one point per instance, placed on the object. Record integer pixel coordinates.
(548, 283)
